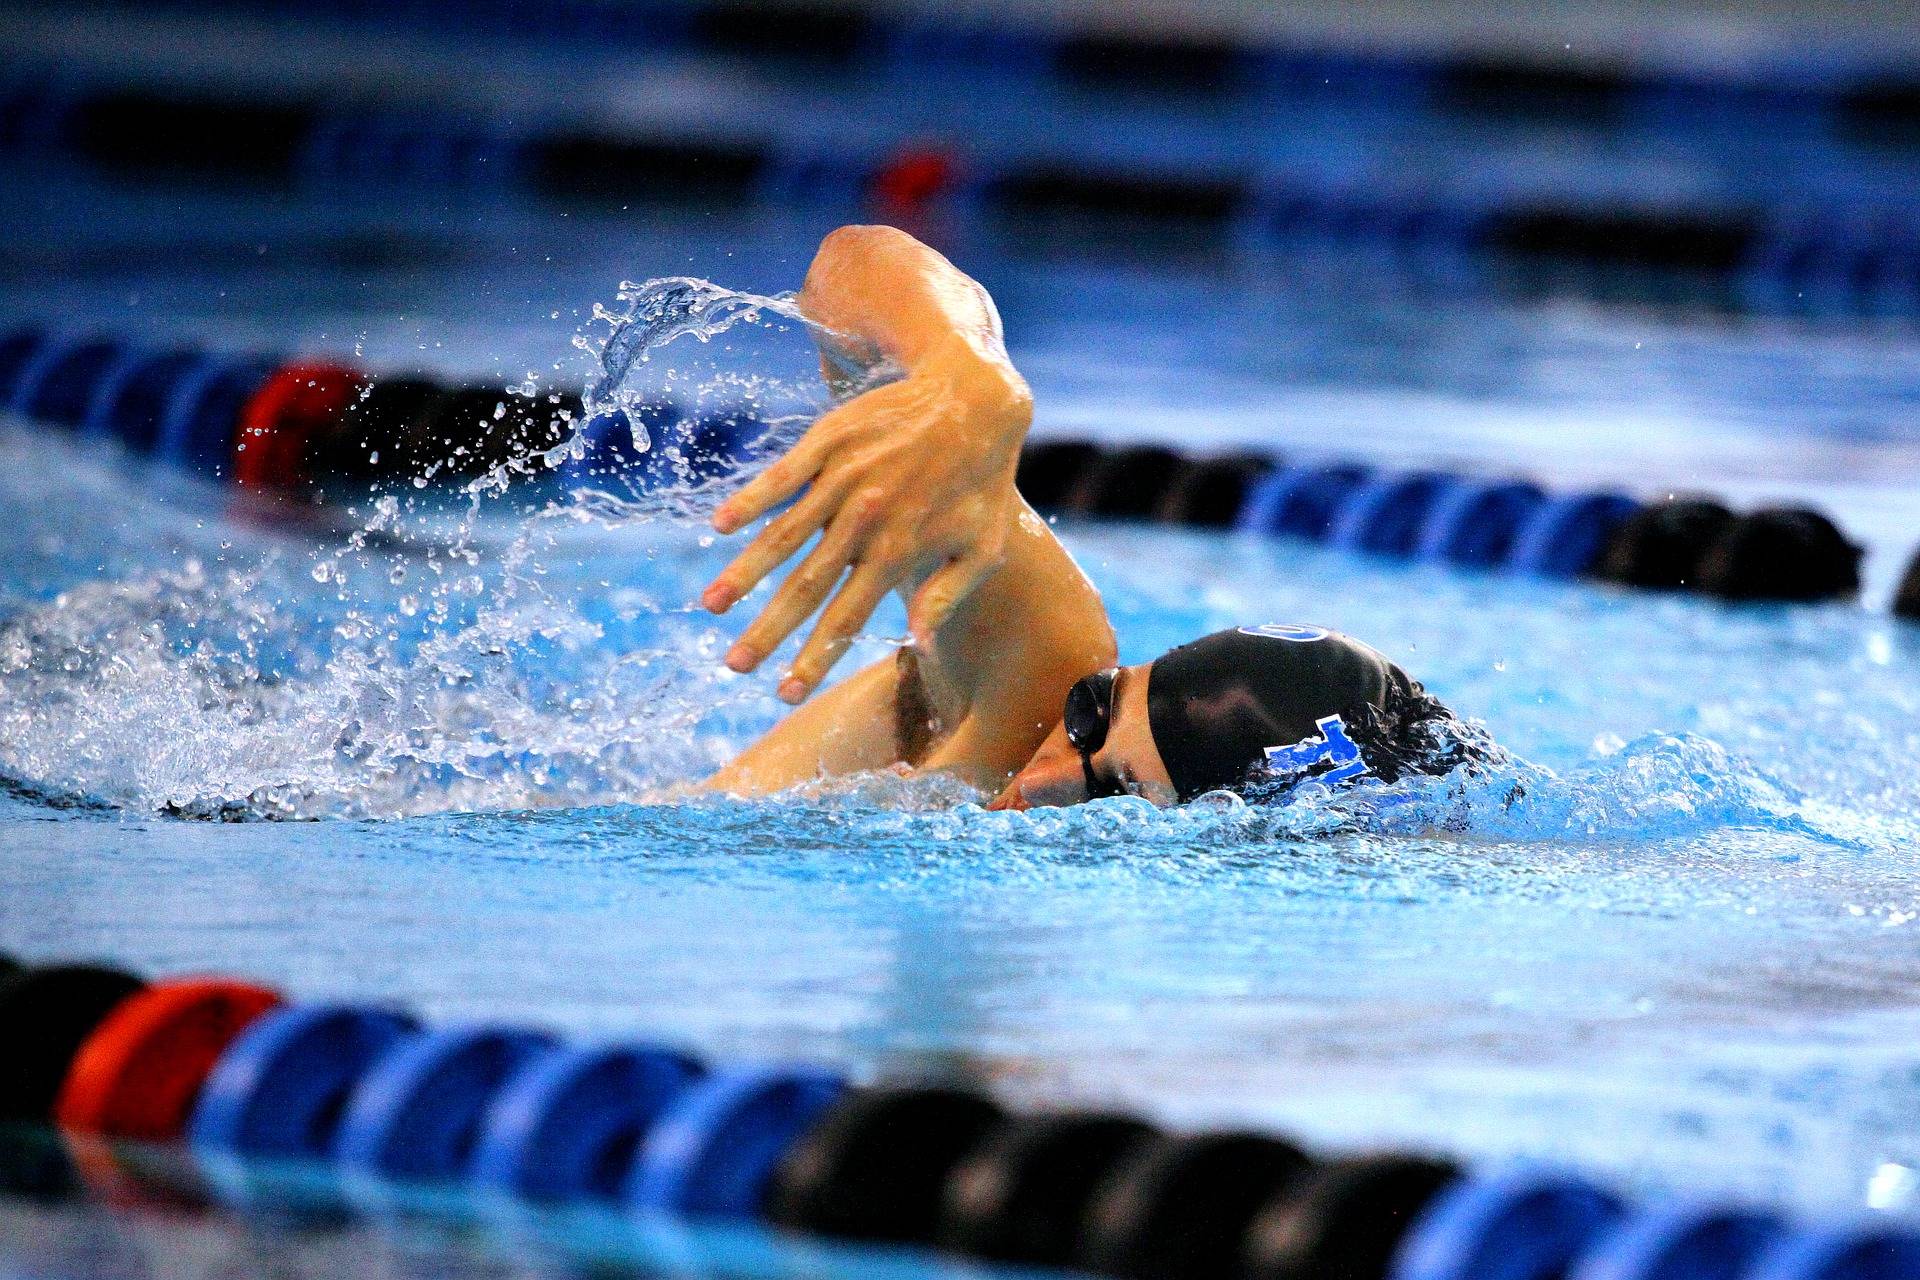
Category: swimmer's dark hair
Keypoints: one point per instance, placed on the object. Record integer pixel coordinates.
(1414, 733)
(1222, 707)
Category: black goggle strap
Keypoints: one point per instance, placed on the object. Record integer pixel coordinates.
(1097, 788)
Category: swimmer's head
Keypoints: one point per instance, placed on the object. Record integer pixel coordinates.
(1253, 710)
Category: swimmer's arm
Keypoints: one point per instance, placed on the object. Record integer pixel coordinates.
(908, 482)
(913, 483)
(1007, 655)
(994, 678)
(889, 295)
(848, 729)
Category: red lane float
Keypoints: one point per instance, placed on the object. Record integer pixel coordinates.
(296, 403)
(139, 1072)
(914, 177)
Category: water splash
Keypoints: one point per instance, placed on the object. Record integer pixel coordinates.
(532, 645)
(670, 440)
(1661, 787)
(653, 314)
(540, 657)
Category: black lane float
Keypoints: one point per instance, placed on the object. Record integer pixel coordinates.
(235, 1074)
(318, 430)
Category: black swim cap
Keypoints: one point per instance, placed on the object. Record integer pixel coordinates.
(1262, 706)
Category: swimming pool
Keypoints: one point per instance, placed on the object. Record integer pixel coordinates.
(1683, 956)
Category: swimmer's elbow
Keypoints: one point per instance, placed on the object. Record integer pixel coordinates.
(861, 241)
(860, 256)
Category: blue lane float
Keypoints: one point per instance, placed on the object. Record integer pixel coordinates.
(1862, 1250)
(18, 350)
(1474, 525)
(414, 1114)
(91, 395)
(203, 414)
(1565, 536)
(1681, 1241)
(713, 1152)
(131, 405)
(1385, 515)
(1523, 1223)
(57, 381)
(1300, 502)
(280, 1089)
(567, 1126)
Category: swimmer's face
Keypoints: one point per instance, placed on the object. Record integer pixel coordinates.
(1126, 763)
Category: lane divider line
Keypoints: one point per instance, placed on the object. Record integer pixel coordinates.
(368, 1099)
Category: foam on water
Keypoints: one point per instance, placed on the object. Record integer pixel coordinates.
(346, 698)
(426, 660)
(531, 647)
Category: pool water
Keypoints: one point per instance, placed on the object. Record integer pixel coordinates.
(1676, 941)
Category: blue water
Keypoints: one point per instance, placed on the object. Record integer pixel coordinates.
(1675, 942)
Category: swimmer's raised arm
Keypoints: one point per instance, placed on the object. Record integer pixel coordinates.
(912, 481)
(912, 487)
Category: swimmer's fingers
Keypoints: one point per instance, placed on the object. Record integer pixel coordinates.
(888, 410)
(945, 588)
(806, 586)
(858, 597)
(785, 534)
(792, 469)
(777, 483)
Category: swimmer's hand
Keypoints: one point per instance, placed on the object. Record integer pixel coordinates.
(911, 481)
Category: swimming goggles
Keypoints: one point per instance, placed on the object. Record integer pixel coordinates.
(1087, 717)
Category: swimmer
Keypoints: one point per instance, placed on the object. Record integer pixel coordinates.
(1010, 680)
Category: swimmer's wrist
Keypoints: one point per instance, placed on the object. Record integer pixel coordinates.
(994, 394)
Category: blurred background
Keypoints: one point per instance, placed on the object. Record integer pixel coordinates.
(1647, 246)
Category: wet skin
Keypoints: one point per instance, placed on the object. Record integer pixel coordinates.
(1128, 759)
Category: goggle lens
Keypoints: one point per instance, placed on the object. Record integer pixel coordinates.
(1089, 711)
(1087, 717)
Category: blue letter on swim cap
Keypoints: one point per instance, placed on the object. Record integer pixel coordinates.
(1332, 747)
